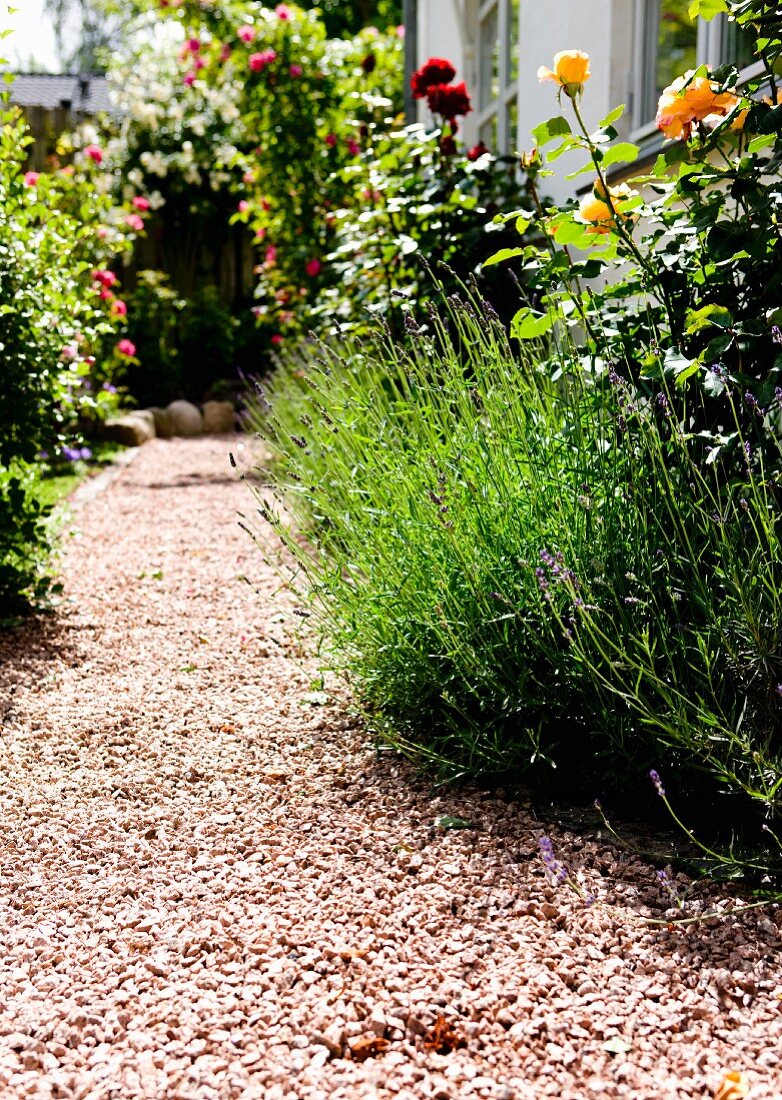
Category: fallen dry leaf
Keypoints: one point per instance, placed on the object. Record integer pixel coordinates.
(733, 1086)
(442, 1038)
(367, 1047)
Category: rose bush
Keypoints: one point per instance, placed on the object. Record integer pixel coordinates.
(60, 319)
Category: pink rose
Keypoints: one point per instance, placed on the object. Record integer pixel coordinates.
(313, 267)
(134, 222)
(106, 295)
(68, 352)
(103, 277)
(126, 348)
(225, 53)
(276, 339)
(31, 178)
(246, 33)
(102, 232)
(259, 61)
(331, 140)
(94, 152)
(189, 79)
(295, 70)
(198, 64)
(244, 206)
(119, 308)
(282, 11)
(353, 147)
(193, 45)
(141, 203)
(270, 257)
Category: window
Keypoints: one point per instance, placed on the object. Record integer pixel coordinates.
(668, 43)
(498, 70)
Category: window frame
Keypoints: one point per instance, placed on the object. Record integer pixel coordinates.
(708, 51)
(497, 110)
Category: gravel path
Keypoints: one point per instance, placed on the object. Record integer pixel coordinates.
(212, 887)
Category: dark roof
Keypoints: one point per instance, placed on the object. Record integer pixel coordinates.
(85, 94)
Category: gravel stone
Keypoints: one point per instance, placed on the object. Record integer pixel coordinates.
(212, 887)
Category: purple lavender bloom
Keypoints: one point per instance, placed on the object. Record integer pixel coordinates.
(107, 386)
(73, 454)
(779, 689)
(747, 453)
(558, 871)
(776, 334)
(85, 453)
(655, 778)
(753, 403)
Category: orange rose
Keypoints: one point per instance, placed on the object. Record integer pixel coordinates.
(594, 209)
(571, 71)
(732, 1087)
(690, 99)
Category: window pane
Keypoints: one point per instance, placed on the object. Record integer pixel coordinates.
(489, 58)
(676, 43)
(513, 40)
(488, 133)
(737, 45)
(511, 126)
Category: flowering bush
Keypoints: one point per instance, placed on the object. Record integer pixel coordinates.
(59, 317)
(409, 206)
(695, 241)
(570, 551)
(211, 116)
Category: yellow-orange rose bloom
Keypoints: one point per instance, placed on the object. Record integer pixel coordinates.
(594, 209)
(688, 100)
(571, 71)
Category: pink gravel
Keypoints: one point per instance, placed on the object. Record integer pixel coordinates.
(212, 886)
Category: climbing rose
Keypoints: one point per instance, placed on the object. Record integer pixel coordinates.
(477, 151)
(246, 33)
(31, 178)
(141, 203)
(313, 267)
(449, 100)
(282, 11)
(243, 206)
(94, 152)
(437, 70)
(119, 308)
(189, 79)
(276, 339)
(134, 222)
(126, 348)
(353, 147)
(331, 140)
(295, 70)
(571, 71)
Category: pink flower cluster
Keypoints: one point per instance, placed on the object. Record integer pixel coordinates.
(259, 61)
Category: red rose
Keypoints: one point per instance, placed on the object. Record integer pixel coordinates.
(477, 151)
(437, 70)
(447, 145)
(449, 100)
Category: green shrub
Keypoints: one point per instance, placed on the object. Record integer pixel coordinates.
(57, 340)
(517, 572)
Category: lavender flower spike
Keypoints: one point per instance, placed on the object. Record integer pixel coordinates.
(557, 871)
(655, 778)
